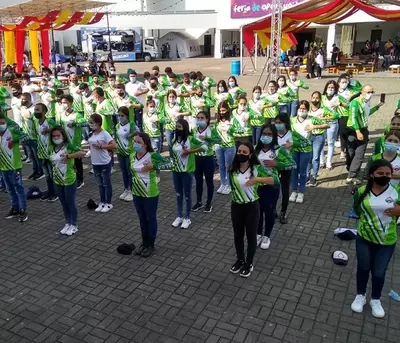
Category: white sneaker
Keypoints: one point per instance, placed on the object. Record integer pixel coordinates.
(123, 195)
(265, 244)
(377, 309)
(358, 303)
(186, 223)
(220, 189)
(88, 155)
(64, 229)
(72, 230)
(337, 144)
(100, 207)
(106, 208)
(227, 190)
(259, 239)
(129, 197)
(342, 155)
(293, 197)
(300, 198)
(178, 221)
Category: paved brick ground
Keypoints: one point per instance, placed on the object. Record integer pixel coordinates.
(78, 289)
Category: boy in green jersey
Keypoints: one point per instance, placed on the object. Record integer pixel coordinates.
(10, 169)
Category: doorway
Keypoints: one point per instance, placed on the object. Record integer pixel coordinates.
(301, 37)
(207, 45)
(376, 34)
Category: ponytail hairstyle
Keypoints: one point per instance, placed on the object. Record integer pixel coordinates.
(375, 165)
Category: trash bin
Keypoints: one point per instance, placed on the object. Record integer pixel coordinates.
(235, 68)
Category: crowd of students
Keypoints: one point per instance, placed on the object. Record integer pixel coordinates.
(263, 144)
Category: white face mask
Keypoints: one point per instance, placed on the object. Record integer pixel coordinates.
(152, 110)
(302, 114)
(221, 89)
(343, 85)
(257, 95)
(65, 107)
(231, 84)
(329, 92)
(293, 78)
(132, 79)
(368, 96)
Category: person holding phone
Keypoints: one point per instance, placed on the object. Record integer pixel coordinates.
(101, 145)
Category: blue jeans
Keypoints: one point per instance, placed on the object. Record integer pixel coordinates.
(15, 188)
(268, 198)
(293, 105)
(48, 171)
(318, 142)
(102, 174)
(256, 134)
(331, 135)
(156, 143)
(31, 148)
(283, 109)
(2, 184)
(204, 166)
(299, 175)
(225, 157)
(125, 166)
(67, 196)
(374, 258)
(169, 134)
(183, 188)
(146, 209)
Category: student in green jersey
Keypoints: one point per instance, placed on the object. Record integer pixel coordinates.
(255, 107)
(43, 125)
(302, 128)
(47, 97)
(125, 130)
(285, 92)
(271, 100)
(222, 94)
(73, 123)
(122, 98)
(62, 155)
(106, 108)
(393, 126)
(378, 207)
(184, 148)
(294, 84)
(152, 125)
(75, 92)
(207, 83)
(143, 164)
(246, 175)
(274, 159)
(205, 163)
(234, 90)
(10, 169)
(101, 144)
(199, 102)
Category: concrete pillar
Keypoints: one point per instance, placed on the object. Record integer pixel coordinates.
(218, 44)
(330, 40)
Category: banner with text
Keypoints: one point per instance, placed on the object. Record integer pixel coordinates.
(257, 8)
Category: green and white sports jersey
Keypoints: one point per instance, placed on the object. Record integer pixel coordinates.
(106, 109)
(242, 194)
(185, 164)
(283, 159)
(320, 114)
(158, 95)
(172, 113)
(286, 95)
(127, 101)
(43, 137)
(374, 225)
(63, 170)
(271, 99)
(10, 158)
(27, 123)
(204, 137)
(77, 104)
(88, 106)
(224, 131)
(72, 124)
(295, 87)
(144, 184)
(395, 165)
(48, 98)
(241, 123)
(302, 137)
(151, 124)
(255, 110)
(219, 97)
(124, 138)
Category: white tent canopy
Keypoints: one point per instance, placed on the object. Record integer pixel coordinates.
(181, 45)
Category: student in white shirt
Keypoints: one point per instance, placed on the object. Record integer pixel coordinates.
(16, 91)
(138, 90)
(31, 88)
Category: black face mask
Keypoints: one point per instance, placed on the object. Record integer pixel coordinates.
(153, 85)
(242, 158)
(37, 115)
(315, 102)
(121, 94)
(16, 94)
(178, 133)
(25, 103)
(156, 73)
(382, 180)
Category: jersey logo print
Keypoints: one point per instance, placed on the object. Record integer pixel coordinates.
(389, 200)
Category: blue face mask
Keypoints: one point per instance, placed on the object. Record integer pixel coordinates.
(280, 127)
(201, 123)
(122, 120)
(390, 147)
(137, 147)
(3, 128)
(265, 139)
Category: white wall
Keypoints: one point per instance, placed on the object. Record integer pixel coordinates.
(389, 30)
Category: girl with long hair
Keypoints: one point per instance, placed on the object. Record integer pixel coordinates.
(284, 91)
(255, 106)
(235, 90)
(222, 94)
(241, 121)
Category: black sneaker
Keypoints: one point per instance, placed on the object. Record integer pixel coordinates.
(313, 181)
(12, 214)
(53, 198)
(208, 208)
(147, 252)
(283, 218)
(197, 207)
(39, 176)
(32, 176)
(22, 216)
(139, 250)
(246, 270)
(44, 197)
(80, 184)
(237, 267)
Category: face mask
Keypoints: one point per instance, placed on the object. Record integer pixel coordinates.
(315, 102)
(173, 84)
(382, 180)
(232, 84)
(137, 147)
(57, 141)
(15, 94)
(257, 96)
(65, 107)
(25, 103)
(330, 92)
(280, 127)
(242, 107)
(266, 139)
(37, 115)
(281, 83)
(3, 128)
(112, 72)
(221, 89)
(156, 73)
(368, 96)
(45, 88)
(121, 94)
(152, 110)
(343, 85)
(178, 133)
(123, 120)
(293, 78)
(93, 126)
(302, 114)
(201, 123)
(132, 79)
(242, 158)
(390, 147)
(172, 101)
(153, 85)
(111, 83)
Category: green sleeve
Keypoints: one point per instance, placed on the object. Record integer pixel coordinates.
(355, 114)
(80, 121)
(303, 85)
(240, 91)
(378, 149)
(51, 122)
(211, 83)
(329, 113)
(317, 121)
(214, 138)
(133, 101)
(398, 104)
(11, 122)
(4, 93)
(16, 134)
(356, 200)
(159, 162)
(196, 144)
(284, 160)
(262, 172)
(374, 110)
(133, 128)
(72, 149)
